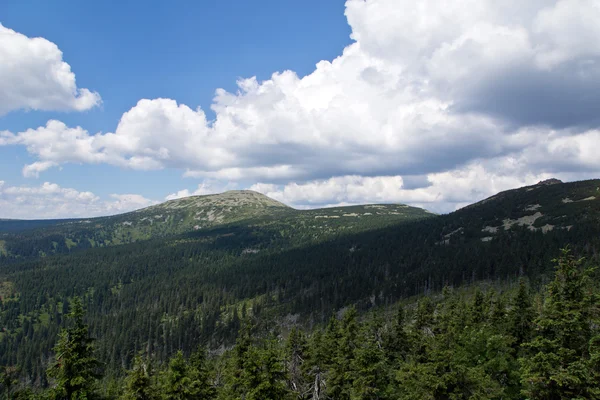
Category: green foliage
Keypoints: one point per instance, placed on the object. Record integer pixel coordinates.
(521, 315)
(286, 267)
(187, 380)
(460, 345)
(138, 383)
(75, 368)
(558, 364)
(9, 378)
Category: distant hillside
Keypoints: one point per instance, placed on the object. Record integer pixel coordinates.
(279, 265)
(191, 214)
(544, 207)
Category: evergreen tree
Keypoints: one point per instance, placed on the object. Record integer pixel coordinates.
(521, 315)
(264, 376)
(177, 382)
(396, 341)
(478, 307)
(199, 373)
(9, 377)
(75, 368)
(234, 387)
(559, 364)
(341, 375)
(424, 317)
(316, 366)
(138, 383)
(369, 366)
(296, 355)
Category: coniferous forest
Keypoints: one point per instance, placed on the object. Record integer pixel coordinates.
(300, 200)
(456, 345)
(475, 304)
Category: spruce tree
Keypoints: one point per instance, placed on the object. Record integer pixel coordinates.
(296, 355)
(478, 307)
(340, 376)
(558, 364)
(9, 377)
(395, 339)
(316, 366)
(264, 376)
(198, 371)
(177, 382)
(138, 383)
(75, 368)
(370, 375)
(521, 315)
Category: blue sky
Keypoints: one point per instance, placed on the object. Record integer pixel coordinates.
(149, 49)
(106, 108)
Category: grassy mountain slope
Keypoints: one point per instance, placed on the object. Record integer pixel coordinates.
(196, 213)
(298, 267)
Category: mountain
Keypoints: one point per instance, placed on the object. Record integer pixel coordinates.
(544, 207)
(196, 213)
(280, 265)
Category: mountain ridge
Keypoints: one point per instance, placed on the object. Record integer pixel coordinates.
(192, 214)
(302, 267)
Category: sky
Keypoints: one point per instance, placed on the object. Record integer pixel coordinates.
(107, 109)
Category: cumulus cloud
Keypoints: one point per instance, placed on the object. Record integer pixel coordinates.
(50, 200)
(204, 188)
(428, 90)
(442, 193)
(33, 76)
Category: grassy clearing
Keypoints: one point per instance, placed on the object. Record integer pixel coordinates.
(7, 289)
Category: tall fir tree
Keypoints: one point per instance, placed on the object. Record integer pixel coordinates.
(558, 363)
(521, 315)
(75, 369)
(138, 383)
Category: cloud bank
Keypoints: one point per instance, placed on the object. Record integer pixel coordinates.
(49, 200)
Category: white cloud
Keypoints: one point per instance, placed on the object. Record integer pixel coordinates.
(34, 76)
(444, 192)
(455, 89)
(50, 200)
(204, 188)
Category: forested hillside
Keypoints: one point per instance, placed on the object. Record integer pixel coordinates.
(298, 269)
(477, 344)
(245, 208)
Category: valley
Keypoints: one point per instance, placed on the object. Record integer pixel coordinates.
(196, 269)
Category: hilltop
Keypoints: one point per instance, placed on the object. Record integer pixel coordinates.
(549, 205)
(282, 266)
(196, 214)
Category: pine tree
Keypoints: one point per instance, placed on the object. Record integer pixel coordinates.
(395, 340)
(200, 374)
(9, 377)
(138, 383)
(264, 376)
(296, 354)
(369, 367)
(75, 368)
(340, 376)
(559, 364)
(177, 382)
(316, 365)
(521, 315)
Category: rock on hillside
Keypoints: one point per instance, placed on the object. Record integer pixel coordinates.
(546, 206)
